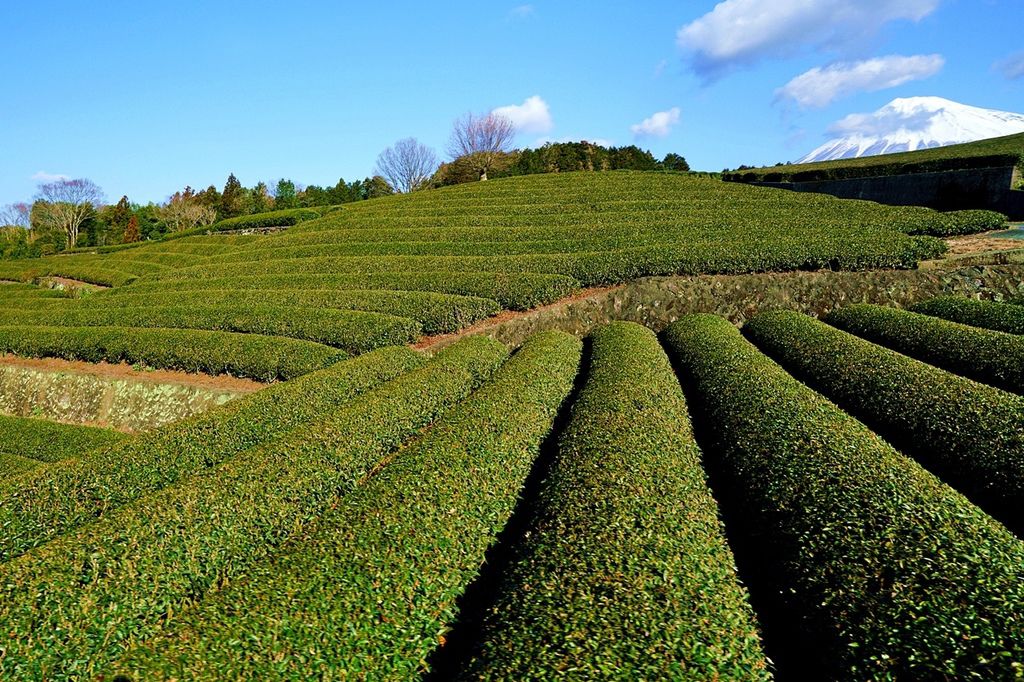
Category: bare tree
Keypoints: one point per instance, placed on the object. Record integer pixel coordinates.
(481, 139)
(66, 204)
(407, 166)
(16, 215)
(184, 211)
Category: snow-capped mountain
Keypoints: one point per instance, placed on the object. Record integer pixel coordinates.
(912, 123)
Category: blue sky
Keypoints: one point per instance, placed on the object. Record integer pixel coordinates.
(144, 98)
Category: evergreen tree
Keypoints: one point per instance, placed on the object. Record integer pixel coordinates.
(232, 199)
(131, 231)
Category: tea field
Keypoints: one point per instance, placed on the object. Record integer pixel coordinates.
(388, 271)
(797, 499)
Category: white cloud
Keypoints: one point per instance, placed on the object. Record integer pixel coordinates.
(532, 116)
(1012, 67)
(43, 176)
(658, 124)
(819, 87)
(521, 12)
(739, 33)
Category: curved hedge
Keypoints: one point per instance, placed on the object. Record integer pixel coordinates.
(13, 465)
(353, 331)
(1001, 317)
(264, 358)
(888, 572)
(150, 560)
(851, 250)
(47, 441)
(515, 292)
(438, 313)
(970, 434)
(987, 356)
(28, 270)
(288, 216)
(371, 591)
(71, 493)
(624, 565)
(968, 222)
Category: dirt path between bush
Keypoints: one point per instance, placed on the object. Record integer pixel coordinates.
(982, 243)
(125, 371)
(430, 342)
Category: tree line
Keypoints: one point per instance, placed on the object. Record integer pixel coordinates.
(69, 213)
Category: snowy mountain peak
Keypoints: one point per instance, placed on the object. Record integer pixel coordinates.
(911, 123)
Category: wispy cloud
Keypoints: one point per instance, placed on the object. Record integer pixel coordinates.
(1012, 67)
(521, 12)
(532, 116)
(739, 33)
(821, 86)
(43, 176)
(658, 124)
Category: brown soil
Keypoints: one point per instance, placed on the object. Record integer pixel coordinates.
(428, 342)
(125, 371)
(981, 243)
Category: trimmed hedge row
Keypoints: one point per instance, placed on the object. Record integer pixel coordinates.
(438, 313)
(264, 358)
(624, 565)
(970, 434)
(353, 331)
(47, 441)
(154, 558)
(369, 592)
(846, 251)
(514, 292)
(990, 153)
(13, 293)
(28, 270)
(967, 222)
(1000, 317)
(12, 465)
(72, 493)
(887, 572)
(290, 216)
(987, 356)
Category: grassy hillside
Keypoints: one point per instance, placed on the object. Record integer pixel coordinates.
(995, 152)
(384, 272)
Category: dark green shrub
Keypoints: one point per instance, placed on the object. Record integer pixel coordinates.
(148, 561)
(47, 441)
(369, 591)
(970, 434)
(1001, 317)
(987, 356)
(515, 292)
(71, 493)
(624, 565)
(886, 572)
(12, 465)
(438, 313)
(353, 331)
(969, 222)
(291, 216)
(264, 358)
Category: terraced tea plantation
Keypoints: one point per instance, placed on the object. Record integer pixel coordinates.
(388, 271)
(799, 499)
(549, 513)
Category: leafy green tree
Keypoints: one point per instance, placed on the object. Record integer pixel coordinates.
(260, 199)
(376, 187)
(285, 195)
(675, 162)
